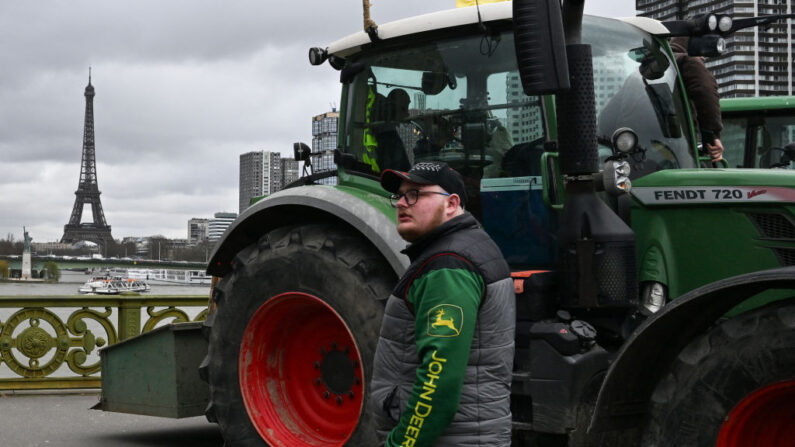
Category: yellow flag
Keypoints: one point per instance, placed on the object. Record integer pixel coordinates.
(465, 3)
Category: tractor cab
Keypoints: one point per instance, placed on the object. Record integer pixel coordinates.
(454, 94)
(759, 132)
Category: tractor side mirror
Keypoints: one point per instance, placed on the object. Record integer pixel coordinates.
(540, 46)
(434, 82)
(350, 71)
(301, 151)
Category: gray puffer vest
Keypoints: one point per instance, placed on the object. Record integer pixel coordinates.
(484, 414)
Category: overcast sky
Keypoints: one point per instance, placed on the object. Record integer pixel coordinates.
(182, 89)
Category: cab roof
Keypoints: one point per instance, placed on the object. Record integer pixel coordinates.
(756, 104)
(452, 18)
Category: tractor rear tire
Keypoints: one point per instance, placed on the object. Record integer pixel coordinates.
(733, 386)
(292, 341)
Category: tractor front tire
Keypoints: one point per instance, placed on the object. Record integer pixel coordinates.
(292, 341)
(733, 386)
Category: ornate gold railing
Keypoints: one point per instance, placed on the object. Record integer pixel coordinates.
(52, 342)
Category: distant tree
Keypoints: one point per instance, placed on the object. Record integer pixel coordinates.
(158, 246)
(53, 272)
(4, 269)
(120, 250)
(7, 245)
(196, 253)
(111, 248)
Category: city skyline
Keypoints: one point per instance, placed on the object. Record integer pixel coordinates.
(182, 89)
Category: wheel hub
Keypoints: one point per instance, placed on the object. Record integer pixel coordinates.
(337, 371)
(764, 417)
(300, 373)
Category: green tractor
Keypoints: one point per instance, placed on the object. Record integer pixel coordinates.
(759, 132)
(654, 297)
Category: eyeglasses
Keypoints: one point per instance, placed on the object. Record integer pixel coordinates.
(411, 196)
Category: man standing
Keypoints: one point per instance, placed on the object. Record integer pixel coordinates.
(442, 368)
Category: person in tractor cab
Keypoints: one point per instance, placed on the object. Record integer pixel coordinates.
(702, 88)
(394, 110)
(442, 367)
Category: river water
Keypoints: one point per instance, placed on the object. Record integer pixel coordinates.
(70, 281)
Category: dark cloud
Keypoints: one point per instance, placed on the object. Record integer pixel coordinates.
(183, 87)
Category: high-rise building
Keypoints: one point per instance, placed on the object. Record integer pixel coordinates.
(758, 60)
(250, 178)
(218, 224)
(609, 75)
(523, 123)
(289, 171)
(419, 101)
(271, 172)
(198, 230)
(260, 174)
(324, 141)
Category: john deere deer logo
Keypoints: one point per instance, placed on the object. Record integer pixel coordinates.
(445, 320)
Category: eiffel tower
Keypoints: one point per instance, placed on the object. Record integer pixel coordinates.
(88, 192)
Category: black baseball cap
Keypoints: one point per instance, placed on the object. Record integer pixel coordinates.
(426, 173)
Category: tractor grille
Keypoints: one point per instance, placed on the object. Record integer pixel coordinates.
(773, 225)
(615, 286)
(785, 255)
(779, 227)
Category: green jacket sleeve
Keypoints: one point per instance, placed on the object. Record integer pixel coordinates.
(445, 298)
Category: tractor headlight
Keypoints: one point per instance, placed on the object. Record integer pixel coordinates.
(711, 22)
(615, 177)
(708, 45)
(720, 45)
(625, 140)
(317, 56)
(725, 24)
(622, 168)
(623, 184)
(653, 297)
(622, 176)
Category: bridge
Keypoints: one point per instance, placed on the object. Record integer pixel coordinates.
(51, 342)
(85, 262)
(50, 370)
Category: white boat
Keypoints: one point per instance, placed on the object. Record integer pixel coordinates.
(131, 285)
(170, 276)
(113, 285)
(95, 284)
(109, 289)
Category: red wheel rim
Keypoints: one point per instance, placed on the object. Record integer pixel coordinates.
(764, 417)
(300, 373)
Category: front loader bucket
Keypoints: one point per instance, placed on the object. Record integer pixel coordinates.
(156, 373)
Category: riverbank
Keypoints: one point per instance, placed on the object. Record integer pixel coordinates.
(12, 280)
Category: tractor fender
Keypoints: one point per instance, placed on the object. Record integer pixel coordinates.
(646, 355)
(653, 266)
(310, 204)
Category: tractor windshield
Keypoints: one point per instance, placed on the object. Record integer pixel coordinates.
(759, 139)
(636, 86)
(459, 99)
